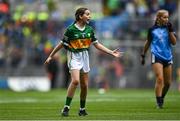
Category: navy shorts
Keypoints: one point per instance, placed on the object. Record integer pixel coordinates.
(165, 63)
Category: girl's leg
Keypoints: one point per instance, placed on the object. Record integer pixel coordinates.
(74, 83)
(71, 90)
(158, 70)
(167, 72)
(72, 86)
(84, 88)
(83, 93)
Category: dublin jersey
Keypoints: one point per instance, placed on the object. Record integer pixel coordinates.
(160, 43)
(76, 40)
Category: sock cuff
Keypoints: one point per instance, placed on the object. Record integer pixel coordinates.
(82, 108)
(67, 106)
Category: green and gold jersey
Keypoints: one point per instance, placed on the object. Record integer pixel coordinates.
(76, 40)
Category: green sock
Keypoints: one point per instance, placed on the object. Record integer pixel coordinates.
(68, 101)
(82, 103)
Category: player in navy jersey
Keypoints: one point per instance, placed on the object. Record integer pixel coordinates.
(77, 39)
(160, 39)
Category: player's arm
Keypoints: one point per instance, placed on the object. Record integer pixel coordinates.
(147, 43)
(146, 47)
(62, 43)
(171, 34)
(172, 38)
(56, 49)
(102, 48)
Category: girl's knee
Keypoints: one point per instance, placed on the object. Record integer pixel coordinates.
(159, 80)
(75, 82)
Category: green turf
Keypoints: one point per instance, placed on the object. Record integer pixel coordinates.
(120, 104)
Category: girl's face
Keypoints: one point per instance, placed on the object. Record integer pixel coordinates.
(86, 17)
(164, 18)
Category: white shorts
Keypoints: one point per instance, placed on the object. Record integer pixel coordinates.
(78, 60)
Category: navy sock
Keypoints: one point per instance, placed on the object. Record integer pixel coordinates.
(159, 101)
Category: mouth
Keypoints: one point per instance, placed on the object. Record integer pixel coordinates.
(88, 20)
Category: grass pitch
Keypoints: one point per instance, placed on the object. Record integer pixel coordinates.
(122, 104)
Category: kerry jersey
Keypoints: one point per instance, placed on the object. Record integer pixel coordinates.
(76, 40)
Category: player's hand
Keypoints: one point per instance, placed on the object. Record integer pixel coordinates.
(170, 27)
(48, 60)
(142, 59)
(117, 53)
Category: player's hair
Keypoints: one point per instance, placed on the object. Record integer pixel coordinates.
(80, 12)
(159, 14)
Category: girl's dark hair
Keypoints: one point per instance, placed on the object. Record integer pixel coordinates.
(80, 12)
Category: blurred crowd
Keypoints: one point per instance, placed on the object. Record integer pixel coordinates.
(131, 18)
(28, 34)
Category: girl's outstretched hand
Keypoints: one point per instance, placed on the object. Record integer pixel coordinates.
(48, 60)
(117, 53)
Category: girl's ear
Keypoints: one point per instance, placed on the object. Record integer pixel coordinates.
(80, 16)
